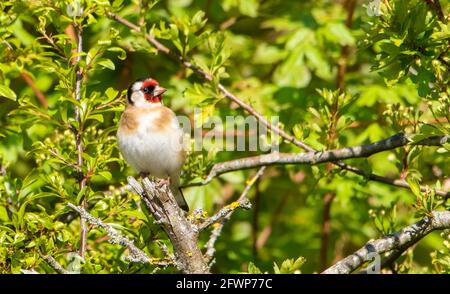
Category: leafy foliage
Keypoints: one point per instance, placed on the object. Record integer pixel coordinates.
(282, 58)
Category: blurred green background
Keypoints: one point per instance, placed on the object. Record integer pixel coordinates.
(291, 59)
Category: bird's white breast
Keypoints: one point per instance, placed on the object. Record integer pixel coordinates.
(151, 147)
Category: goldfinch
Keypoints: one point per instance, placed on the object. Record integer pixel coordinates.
(150, 137)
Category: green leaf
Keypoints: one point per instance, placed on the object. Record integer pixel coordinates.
(415, 187)
(6, 92)
(200, 95)
(6, 229)
(267, 54)
(122, 53)
(81, 194)
(413, 154)
(289, 266)
(106, 63)
(111, 93)
(198, 20)
(98, 117)
(253, 269)
(21, 212)
(300, 132)
(314, 112)
(339, 33)
(249, 7)
(3, 214)
(106, 174)
(117, 3)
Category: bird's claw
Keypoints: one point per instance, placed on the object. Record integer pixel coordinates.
(162, 182)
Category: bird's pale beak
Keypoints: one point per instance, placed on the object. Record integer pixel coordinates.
(158, 91)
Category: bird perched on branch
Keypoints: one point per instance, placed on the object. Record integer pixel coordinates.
(150, 137)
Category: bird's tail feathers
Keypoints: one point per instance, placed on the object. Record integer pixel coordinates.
(179, 197)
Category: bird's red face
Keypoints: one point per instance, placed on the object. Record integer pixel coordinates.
(152, 91)
(145, 93)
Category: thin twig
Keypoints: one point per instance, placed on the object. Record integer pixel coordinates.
(39, 95)
(267, 231)
(136, 254)
(255, 219)
(242, 202)
(210, 245)
(313, 158)
(325, 229)
(332, 136)
(437, 220)
(345, 51)
(223, 212)
(57, 155)
(54, 264)
(78, 135)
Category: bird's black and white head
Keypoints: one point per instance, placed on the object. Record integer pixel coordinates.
(145, 93)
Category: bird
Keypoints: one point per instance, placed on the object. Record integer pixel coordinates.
(150, 138)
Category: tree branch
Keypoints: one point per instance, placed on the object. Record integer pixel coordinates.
(349, 5)
(30, 82)
(54, 264)
(325, 229)
(78, 134)
(161, 48)
(267, 231)
(438, 220)
(224, 212)
(136, 254)
(182, 233)
(317, 157)
(342, 64)
(210, 249)
(386, 261)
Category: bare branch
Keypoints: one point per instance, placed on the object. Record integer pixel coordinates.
(349, 5)
(317, 157)
(267, 230)
(386, 261)
(325, 229)
(78, 133)
(182, 233)
(210, 245)
(54, 264)
(332, 135)
(438, 220)
(210, 249)
(136, 254)
(38, 93)
(394, 182)
(222, 213)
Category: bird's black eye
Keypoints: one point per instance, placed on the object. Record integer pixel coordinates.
(149, 89)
